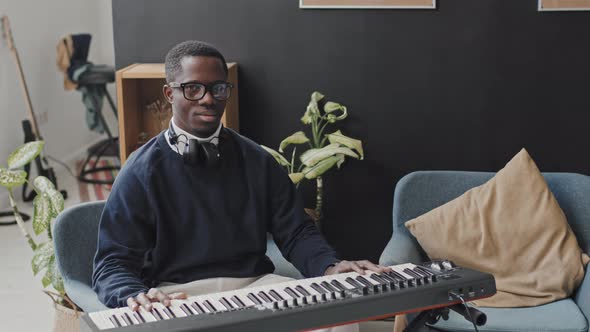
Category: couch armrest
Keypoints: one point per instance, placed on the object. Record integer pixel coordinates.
(83, 296)
(582, 295)
(282, 266)
(400, 249)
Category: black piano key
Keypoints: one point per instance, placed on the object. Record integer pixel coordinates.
(254, 298)
(276, 295)
(210, 306)
(387, 277)
(302, 290)
(318, 288)
(412, 273)
(128, 319)
(115, 321)
(291, 292)
(169, 313)
(378, 279)
(354, 283)
(265, 297)
(156, 313)
(328, 286)
(338, 285)
(238, 302)
(226, 303)
(397, 275)
(424, 270)
(364, 281)
(198, 307)
(186, 309)
(139, 317)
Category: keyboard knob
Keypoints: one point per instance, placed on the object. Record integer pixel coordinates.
(448, 265)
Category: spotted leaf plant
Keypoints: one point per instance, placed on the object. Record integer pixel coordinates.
(47, 204)
(320, 152)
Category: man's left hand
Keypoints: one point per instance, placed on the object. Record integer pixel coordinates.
(356, 266)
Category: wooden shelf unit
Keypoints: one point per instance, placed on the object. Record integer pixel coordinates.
(141, 84)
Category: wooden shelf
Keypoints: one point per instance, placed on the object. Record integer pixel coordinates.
(139, 85)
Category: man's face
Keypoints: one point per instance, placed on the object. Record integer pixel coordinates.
(201, 117)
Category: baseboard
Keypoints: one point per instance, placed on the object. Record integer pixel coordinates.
(68, 159)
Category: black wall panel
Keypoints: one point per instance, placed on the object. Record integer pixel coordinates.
(463, 87)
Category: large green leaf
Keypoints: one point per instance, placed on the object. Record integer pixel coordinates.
(297, 138)
(11, 179)
(278, 157)
(330, 108)
(43, 184)
(42, 213)
(337, 137)
(322, 167)
(25, 154)
(57, 202)
(42, 257)
(312, 108)
(53, 277)
(296, 177)
(314, 156)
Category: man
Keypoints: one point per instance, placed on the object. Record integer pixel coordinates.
(172, 229)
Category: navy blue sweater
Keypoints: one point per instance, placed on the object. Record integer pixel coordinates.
(166, 221)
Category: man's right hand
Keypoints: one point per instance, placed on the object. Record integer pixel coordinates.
(153, 295)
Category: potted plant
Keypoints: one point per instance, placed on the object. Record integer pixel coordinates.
(319, 153)
(48, 203)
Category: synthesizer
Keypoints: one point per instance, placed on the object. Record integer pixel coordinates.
(307, 304)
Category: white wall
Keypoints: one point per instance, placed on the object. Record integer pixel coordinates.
(37, 27)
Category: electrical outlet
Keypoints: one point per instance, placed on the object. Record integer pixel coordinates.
(42, 118)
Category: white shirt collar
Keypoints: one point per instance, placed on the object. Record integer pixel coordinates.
(184, 136)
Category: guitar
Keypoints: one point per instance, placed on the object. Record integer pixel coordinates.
(30, 126)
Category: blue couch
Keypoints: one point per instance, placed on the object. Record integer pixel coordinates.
(75, 238)
(420, 192)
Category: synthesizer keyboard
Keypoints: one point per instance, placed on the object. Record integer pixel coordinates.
(307, 303)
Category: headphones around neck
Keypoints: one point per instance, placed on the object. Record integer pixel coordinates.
(196, 153)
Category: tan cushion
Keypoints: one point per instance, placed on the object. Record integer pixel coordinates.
(513, 228)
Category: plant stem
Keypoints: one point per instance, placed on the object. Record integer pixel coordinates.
(293, 160)
(20, 221)
(319, 197)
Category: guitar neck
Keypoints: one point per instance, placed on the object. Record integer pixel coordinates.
(7, 34)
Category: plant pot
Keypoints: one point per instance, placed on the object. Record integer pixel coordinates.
(66, 319)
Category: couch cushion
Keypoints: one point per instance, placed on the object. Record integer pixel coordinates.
(562, 316)
(513, 228)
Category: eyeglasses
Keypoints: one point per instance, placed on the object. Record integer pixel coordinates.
(196, 91)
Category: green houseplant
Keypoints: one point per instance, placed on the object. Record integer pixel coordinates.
(48, 203)
(321, 152)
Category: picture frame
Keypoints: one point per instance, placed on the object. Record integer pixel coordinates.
(367, 4)
(563, 5)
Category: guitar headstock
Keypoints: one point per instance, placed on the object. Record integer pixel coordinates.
(6, 32)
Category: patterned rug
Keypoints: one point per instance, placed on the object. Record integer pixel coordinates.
(96, 192)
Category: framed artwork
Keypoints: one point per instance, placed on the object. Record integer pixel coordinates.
(562, 5)
(368, 4)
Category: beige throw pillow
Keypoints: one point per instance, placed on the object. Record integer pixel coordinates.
(513, 228)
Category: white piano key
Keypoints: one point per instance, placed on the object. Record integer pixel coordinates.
(147, 316)
(100, 319)
(175, 308)
(160, 307)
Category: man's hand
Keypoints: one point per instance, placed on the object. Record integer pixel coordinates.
(153, 295)
(356, 266)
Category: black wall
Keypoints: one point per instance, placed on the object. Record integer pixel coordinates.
(463, 87)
